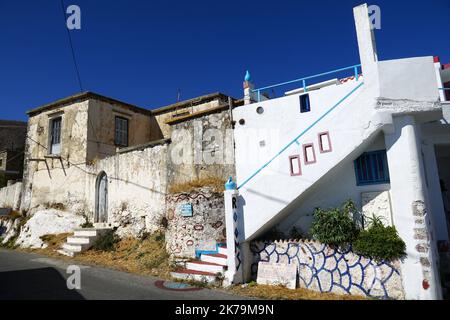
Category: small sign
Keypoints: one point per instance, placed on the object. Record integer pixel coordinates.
(186, 210)
(272, 273)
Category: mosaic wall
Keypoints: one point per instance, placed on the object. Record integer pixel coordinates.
(202, 230)
(325, 269)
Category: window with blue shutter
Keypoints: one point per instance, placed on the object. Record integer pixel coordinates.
(372, 168)
(121, 132)
(304, 103)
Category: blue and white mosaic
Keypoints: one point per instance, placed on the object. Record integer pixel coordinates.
(327, 269)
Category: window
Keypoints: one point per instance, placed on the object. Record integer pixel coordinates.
(304, 103)
(324, 142)
(294, 162)
(121, 132)
(372, 168)
(308, 153)
(55, 135)
(1, 162)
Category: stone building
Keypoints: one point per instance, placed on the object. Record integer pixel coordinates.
(12, 143)
(115, 163)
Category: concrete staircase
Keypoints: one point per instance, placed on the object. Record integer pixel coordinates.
(207, 269)
(82, 240)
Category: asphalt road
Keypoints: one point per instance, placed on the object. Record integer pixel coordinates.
(32, 276)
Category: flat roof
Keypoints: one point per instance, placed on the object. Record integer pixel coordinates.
(85, 96)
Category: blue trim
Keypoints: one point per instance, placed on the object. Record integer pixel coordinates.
(443, 88)
(301, 134)
(303, 80)
(371, 160)
(198, 253)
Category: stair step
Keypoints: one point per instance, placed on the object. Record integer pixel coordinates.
(89, 232)
(205, 266)
(223, 250)
(217, 258)
(65, 252)
(81, 240)
(194, 275)
(75, 247)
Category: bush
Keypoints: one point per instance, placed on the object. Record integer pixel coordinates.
(87, 224)
(379, 242)
(106, 241)
(334, 226)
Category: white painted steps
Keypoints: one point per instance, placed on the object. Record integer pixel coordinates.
(207, 269)
(82, 240)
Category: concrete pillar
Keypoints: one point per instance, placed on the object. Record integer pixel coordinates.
(234, 274)
(410, 214)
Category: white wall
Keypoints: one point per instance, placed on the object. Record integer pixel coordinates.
(337, 186)
(411, 78)
(10, 196)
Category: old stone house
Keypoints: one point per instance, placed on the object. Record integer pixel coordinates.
(12, 143)
(112, 162)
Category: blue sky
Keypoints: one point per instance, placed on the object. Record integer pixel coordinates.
(143, 52)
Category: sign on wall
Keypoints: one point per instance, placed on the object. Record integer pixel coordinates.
(277, 274)
(186, 210)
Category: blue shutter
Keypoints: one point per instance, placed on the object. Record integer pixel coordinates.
(372, 168)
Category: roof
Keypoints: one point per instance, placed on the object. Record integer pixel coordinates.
(12, 123)
(194, 101)
(85, 96)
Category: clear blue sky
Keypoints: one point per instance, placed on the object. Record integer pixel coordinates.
(142, 52)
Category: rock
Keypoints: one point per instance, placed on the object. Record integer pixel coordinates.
(50, 221)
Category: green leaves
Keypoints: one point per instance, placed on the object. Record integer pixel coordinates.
(334, 226)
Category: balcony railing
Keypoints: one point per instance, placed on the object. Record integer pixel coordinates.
(303, 80)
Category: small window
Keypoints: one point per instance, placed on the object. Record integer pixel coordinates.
(295, 167)
(55, 135)
(304, 103)
(308, 153)
(1, 162)
(324, 142)
(121, 132)
(372, 168)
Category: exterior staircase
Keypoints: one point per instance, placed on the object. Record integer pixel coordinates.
(82, 240)
(207, 269)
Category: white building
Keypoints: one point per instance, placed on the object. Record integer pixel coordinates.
(381, 138)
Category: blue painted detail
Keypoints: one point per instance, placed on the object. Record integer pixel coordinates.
(303, 80)
(298, 143)
(444, 88)
(230, 184)
(198, 253)
(301, 134)
(236, 232)
(349, 272)
(247, 76)
(186, 210)
(371, 168)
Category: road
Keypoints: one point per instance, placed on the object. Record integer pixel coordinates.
(33, 276)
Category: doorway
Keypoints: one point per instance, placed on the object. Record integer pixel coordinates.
(101, 198)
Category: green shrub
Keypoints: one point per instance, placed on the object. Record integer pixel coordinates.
(334, 226)
(87, 224)
(379, 242)
(106, 241)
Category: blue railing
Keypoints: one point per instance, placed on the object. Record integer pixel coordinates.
(444, 88)
(301, 134)
(303, 80)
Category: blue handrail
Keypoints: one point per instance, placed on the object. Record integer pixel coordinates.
(303, 80)
(301, 134)
(444, 88)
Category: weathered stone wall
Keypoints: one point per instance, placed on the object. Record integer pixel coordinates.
(10, 196)
(12, 135)
(202, 147)
(205, 228)
(325, 269)
(137, 182)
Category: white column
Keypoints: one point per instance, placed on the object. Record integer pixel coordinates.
(410, 214)
(234, 274)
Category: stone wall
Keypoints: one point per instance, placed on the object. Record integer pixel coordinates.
(325, 269)
(10, 196)
(203, 229)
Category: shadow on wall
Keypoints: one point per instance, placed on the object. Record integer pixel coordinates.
(35, 284)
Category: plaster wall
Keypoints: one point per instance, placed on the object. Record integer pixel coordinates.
(264, 135)
(10, 196)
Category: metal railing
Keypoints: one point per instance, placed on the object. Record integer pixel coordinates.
(303, 80)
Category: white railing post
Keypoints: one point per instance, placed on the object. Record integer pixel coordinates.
(234, 274)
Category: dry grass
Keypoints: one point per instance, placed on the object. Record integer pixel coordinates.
(282, 293)
(147, 256)
(216, 185)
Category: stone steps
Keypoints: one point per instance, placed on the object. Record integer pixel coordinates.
(82, 240)
(207, 269)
